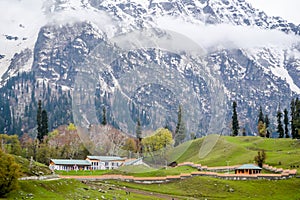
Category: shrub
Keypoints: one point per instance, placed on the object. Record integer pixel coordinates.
(9, 173)
(260, 158)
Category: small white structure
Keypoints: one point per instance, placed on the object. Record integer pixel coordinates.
(93, 163)
(69, 164)
(105, 162)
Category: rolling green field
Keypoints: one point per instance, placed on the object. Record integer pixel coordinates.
(207, 151)
(31, 169)
(137, 171)
(192, 188)
(69, 189)
(211, 188)
(241, 150)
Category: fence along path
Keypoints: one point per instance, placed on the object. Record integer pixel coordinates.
(202, 171)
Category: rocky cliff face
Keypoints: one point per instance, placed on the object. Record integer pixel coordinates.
(137, 69)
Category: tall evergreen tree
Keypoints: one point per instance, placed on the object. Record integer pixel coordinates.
(293, 115)
(235, 122)
(138, 129)
(138, 132)
(286, 123)
(261, 115)
(180, 132)
(44, 128)
(279, 124)
(295, 121)
(297, 118)
(104, 122)
(267, 123)
(39, 121)
(42, 122)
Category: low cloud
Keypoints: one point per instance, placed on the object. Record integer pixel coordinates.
(68, 12)
(23, 18)
(16, 14)
(219, 36)
(33, 14)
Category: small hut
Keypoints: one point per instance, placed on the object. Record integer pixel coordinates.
(173, 164)
(248, 169)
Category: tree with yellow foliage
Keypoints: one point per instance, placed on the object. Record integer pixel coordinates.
(9, 173)
(157, 143)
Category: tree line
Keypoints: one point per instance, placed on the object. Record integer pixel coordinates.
(64, 142)
(287, 124)
(18, 104)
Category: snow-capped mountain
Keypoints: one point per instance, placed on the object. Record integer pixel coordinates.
(142, 58)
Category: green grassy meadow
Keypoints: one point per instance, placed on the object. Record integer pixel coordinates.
(211, 188)
(241, 150)
(137, 171)
(69, 189)
(31, 169)
(192, 188)
(281, 153)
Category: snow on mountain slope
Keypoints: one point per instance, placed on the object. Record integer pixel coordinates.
(24, 18)
(273, 60)
(20, 23)
(241, 55)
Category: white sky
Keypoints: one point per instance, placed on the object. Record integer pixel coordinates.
(287, 9)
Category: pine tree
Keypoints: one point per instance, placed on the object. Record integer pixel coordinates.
(261, 115)
(297, 118)
(180, 132)
(44, 128)
(286, 123)
(295, 121)
(293, 114)
(39, 121)
(42, 122)
(104, 122)
(138, 130)
(279, 124)
(235, 122)
(267, 123)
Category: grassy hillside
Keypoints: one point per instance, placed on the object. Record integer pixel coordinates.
(137, 171)
(31, 169)
(69, 189)
(192, 188)
(212, 188)
(240, 150)
(211, 151)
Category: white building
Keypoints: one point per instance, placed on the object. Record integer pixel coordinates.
(93, 163)
(69, 164)
(105, 162)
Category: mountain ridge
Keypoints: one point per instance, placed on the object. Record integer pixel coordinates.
(251, 76)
